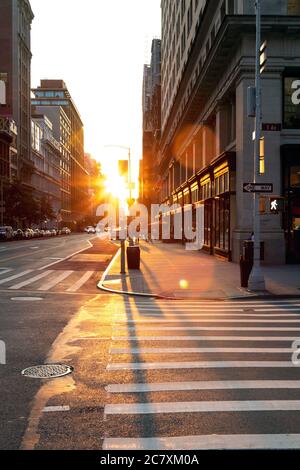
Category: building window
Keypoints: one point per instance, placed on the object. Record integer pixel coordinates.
(262, 156)
(291, 116)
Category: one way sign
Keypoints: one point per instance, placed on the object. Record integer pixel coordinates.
(258, 187)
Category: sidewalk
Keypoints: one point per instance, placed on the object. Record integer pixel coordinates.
(169, 270)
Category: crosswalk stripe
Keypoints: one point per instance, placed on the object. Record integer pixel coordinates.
(205, 302)
(198, 365)
(75, 287)
(206, 442)
(197, 350)
(49, 285)
(206, 328)
(5, 271)
(205, 338)
(204, 385)
(136, 309)
(209, 320)
(31, 280)
(123, 317)
(277, 310)
(201, 407)
(15, 276)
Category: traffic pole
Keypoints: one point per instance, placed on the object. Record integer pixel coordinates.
(256, 279)
(123, 262)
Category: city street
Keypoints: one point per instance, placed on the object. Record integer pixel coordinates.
(155, 374)
(150, 231)
(38, 298)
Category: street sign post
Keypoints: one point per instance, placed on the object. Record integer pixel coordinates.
(256, 279)
(258, 187)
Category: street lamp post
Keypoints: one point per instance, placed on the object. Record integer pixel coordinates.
(123, 262)
(256, 279)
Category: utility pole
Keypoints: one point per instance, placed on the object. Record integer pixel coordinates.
(256, 280)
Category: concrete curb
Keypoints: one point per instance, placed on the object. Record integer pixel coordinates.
(267, 295)
(101, 286)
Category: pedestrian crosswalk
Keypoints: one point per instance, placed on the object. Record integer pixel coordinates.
(197, 375)
(48, 280)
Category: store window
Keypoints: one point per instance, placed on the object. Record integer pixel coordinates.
(222, 223)
(186, 197)
(195, 193)
(205, 188)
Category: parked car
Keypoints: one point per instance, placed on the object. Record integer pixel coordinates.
(6, 233)
(42, 233)
(28, 233)
(37, 233)
(53, 232)
(65, 231)
(18, 234)
(47, 233)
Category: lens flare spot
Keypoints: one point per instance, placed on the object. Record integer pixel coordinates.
(183, 284)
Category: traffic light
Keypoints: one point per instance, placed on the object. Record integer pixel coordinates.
(276, 205)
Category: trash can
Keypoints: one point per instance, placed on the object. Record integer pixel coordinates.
(133, 257)
(246, 260)
(245, 269)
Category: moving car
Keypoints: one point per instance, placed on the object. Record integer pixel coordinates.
(90, 229)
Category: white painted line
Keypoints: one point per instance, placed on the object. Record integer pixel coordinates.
(16, 276)
(31, 280)
(81, 282)
(204, 385)
(201, 407)
(205, 328)
(5, 270)
(136, 309)
(67, 257)
(205, 338)
(27, 299)
(278, 310)
(34, 247)
(205, 320)
(198, 350)
(184, 304)
(209, 442)
(199, 365)
(123, 317)
(55, 409)
(48, 285)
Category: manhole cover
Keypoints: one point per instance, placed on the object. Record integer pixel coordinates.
(47, 371)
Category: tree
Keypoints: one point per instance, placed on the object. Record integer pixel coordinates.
(21, 207)
(46, 210)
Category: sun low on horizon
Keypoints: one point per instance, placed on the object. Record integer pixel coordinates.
(102, 65)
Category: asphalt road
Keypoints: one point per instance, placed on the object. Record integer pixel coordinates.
(148, 374)
(43, 284)
(166, 375)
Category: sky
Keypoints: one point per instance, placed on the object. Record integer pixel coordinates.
(98, 47)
